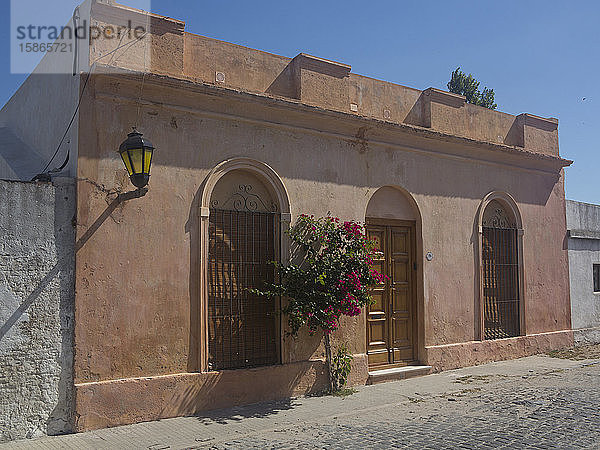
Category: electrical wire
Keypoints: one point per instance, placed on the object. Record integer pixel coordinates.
(43, 174)
(69, 126)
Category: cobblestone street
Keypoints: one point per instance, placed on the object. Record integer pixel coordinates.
(535, 402)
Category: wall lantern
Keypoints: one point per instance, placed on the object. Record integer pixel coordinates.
(136, 153)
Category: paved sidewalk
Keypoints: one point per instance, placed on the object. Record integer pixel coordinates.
(534, 402)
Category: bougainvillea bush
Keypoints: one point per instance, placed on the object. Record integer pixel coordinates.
(331, 275)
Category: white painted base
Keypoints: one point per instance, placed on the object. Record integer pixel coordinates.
(397, 373)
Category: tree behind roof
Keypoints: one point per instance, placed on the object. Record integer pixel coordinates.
(467, 85)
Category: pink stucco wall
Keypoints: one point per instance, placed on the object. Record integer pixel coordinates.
(138, 296)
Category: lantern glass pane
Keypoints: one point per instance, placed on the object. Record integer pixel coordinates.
(136, 158)
(147, 160)
(125, 158)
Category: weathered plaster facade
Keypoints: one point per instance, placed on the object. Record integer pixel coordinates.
(37, 259)
(583, 223)
(322, 140)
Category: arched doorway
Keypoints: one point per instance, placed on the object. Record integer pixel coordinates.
(392, 326)
(244, 208)
(500, 270)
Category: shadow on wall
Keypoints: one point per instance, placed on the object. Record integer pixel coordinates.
(415, 115)
(283, 85)
(229, 388)
(366, 164)
(339, 160)
(18, 161)
(61, 418)
(199, 392)
(243, 386)
(192, 227)
(589, 245)
(42, 321)
(477, 281)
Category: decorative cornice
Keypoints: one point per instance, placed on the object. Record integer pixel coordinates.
(344, 122)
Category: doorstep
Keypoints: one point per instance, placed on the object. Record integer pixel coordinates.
(397, 373)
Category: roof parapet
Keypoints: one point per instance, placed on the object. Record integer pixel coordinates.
(320, 81)
(322, 65)
(543, 123)
(447, 98)
(538, 134)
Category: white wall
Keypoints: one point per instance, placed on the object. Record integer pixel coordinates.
(583, 223)
(34, 120)
(37, 261)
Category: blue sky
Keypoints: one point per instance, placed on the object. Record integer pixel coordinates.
(540, 57)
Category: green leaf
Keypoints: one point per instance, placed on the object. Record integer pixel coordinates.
(468, 86)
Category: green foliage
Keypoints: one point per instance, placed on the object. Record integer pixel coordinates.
(345, 392)
(331, 275)
(468, 86)
(340, 367)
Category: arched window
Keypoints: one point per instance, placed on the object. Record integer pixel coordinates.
(500, 271)
(242, 218)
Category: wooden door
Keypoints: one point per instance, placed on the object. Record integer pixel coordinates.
(391, 320)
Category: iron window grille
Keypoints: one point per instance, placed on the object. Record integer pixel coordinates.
(243, 327)
(500, 275)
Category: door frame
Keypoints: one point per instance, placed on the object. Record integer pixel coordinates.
(416, 277)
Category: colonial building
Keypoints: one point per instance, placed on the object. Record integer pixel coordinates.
(467, 204)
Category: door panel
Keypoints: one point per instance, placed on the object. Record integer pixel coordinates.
(377, 234)
(390, 320)
(401, 300)
(378, 301)
(401, 331)
(400, 240)
(377, 322)
(401, 272)
(377, 332)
